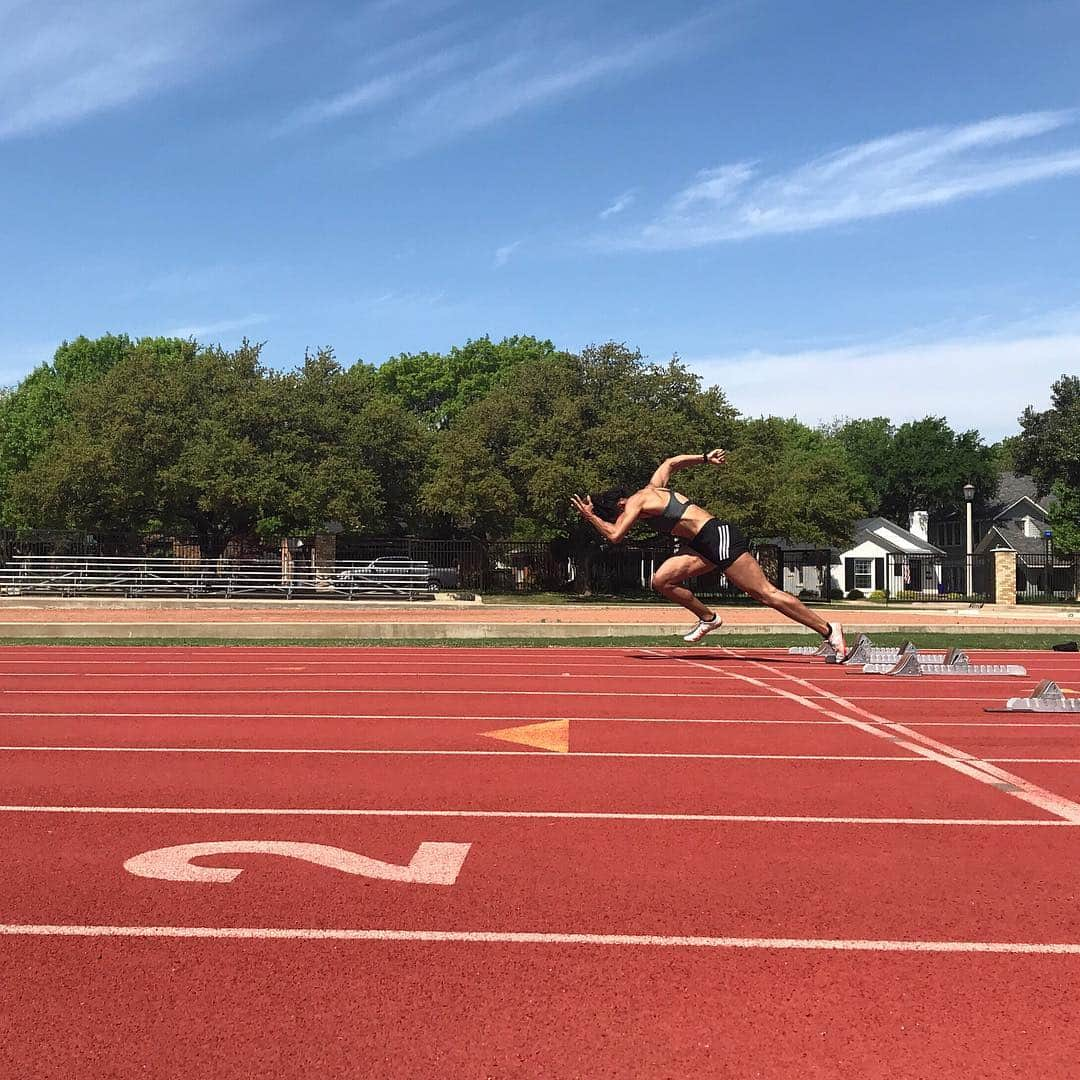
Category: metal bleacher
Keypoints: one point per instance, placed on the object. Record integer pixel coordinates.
(132, 576)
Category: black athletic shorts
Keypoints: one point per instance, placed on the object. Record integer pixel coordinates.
(718, 541)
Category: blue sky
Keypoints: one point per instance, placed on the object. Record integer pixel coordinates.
(837, 208)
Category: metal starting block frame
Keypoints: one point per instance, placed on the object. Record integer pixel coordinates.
(1047, 697)
(955, 662)
(866, 652)
(824, 649)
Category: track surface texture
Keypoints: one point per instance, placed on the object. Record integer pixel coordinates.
(419, 862)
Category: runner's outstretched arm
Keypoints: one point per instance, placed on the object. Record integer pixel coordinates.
(664, 470)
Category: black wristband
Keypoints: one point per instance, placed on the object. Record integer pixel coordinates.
(705, 458)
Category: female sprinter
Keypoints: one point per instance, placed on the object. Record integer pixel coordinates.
(713, 544)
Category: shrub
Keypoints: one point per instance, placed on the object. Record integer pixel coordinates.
(877, 594)
(856, 594)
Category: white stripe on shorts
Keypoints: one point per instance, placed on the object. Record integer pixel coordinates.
(725, 542)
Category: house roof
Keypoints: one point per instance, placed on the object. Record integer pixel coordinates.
(893, 537)
(865, 536)
(1011, 534)
(1013, 488)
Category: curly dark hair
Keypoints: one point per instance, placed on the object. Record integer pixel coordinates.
(606, 503)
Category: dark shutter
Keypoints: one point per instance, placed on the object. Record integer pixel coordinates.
(879, 573)
(849, 575)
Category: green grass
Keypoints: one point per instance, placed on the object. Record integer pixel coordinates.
(733, 640)
(556, 599)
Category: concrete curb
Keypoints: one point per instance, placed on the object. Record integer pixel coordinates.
(322, 630)
(441, 631)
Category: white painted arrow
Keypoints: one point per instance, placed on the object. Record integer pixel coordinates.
(433, 864)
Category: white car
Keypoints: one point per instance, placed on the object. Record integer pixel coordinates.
(396, 571)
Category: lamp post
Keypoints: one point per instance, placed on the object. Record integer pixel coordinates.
(1048, 563)
(969, 496)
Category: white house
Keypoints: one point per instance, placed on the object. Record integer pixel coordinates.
(877, 558)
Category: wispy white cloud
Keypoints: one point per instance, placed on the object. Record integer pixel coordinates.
(66, 60)
(981, 382)
(502, 254)
(453, 86)
(211, 329)
(906, 171)
(406, 302)
(621, 203)
(379, 90)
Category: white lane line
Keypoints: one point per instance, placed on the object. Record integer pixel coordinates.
(544, 754)
(411, 674)
(473, 718)
(909, 699)
(547, 754)
(804, 722)
(501, 937)
(555, 674)
(957, 760)
(406, 691)
(546, 815)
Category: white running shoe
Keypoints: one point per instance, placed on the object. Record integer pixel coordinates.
(836, 639)
(703, 628)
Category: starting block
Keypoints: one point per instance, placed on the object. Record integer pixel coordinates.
(914, 663)
(824, 650)
(864, 651)
(861, 648)
(1047, 697)
(887, 657)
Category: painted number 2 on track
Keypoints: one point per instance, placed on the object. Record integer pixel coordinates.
(432, 864)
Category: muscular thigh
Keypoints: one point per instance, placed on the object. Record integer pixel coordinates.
(680, 567)
(745, 573)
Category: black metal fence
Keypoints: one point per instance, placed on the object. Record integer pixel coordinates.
(1047, 579)
(466, 565)
(812, 574)
(927, 578)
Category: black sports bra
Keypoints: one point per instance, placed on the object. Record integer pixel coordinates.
(670, 516)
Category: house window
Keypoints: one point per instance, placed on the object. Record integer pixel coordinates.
(863, 579)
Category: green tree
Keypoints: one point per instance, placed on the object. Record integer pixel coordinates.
(563, 424)
(1005, 453)
(438, 387)
(31, 413)
(1065, 517)
(783, 479)
(868, 444)
(212, 444)
(1048, 448)
(928, 466)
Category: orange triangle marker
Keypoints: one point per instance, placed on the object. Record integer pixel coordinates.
(553, 735)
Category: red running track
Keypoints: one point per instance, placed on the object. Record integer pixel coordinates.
(815, 892)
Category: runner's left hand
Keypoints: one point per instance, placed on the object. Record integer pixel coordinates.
(584, 506)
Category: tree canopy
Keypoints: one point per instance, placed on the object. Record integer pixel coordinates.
(208, 442)
(569, 423)
(438, 387)
(920, 465)
(1048, 448)
(488, 439)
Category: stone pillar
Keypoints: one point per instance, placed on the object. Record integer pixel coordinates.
(325, 559)
(1004, 576)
